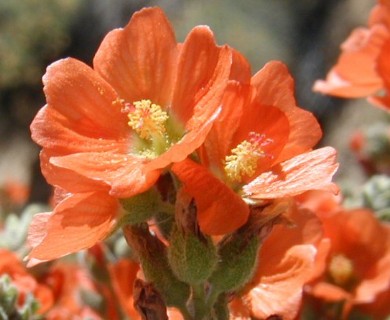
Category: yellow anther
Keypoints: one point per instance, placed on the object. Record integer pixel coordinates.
(243, 159)
(341, 270)
(147, 119)
(242, 162)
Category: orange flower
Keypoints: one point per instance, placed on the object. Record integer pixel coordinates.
(359, 71)
(25, 283)
(286, 263)
(108, 132)
(68, 282)
(356, 269)
(142, 107)
(258, 149)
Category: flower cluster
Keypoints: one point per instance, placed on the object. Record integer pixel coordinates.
(363, 67)
(210, 175)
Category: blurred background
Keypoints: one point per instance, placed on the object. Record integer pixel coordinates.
(305, 34)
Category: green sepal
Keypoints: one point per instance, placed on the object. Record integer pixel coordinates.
(141, 207)
(191, 258)
(237, 262)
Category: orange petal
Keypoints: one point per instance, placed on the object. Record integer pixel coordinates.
(183, 148)
(67, 179)
(241, 68)
(270, 121)
(308, 171)
(139, 61)
(219, 141)
(275, 87)
(377, 282)
(329, 292)
(10, 263)
(51, 130)
(307, 229)
(202, 75)
(384, 71)
(284, 281)
(78, 222)
(123, 273)
(354, 75)
(380, 14)
(211, 196)
(125, 175)
(81, 96)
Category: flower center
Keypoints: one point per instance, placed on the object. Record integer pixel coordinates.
(147, 119)
(154, 131)
(341, 270)
(243, 160)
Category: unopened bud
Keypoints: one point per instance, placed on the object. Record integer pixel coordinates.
(192, 259)
(237, 262)
(191, 255)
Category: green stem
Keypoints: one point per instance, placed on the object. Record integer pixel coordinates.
(212, 298)
(198, 300)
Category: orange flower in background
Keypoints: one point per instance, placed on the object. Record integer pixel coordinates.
(25, 283)
(260, 148)
(70, 283)
(360, 70)
(108, 132)
(123, 273)
(356, 270)
(286, 264)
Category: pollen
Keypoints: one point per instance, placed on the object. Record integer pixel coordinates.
(341, 270)
(243, 160)
(147, 119)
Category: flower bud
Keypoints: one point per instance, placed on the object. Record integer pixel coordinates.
(192, 258)
(191, 255)
(237, 262)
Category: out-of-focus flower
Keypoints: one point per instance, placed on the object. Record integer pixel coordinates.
(76, 294)
(17, 193)
(372, 148)
(260, 148)
(286, 264)
(123, 274)
(362, 68)
(356, 269)
(108, 132)
(25, 283)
